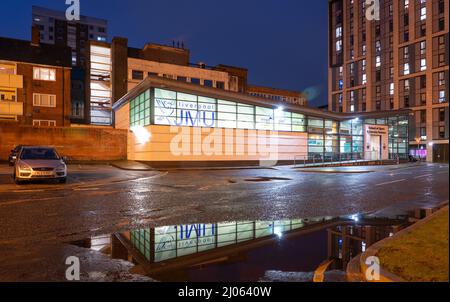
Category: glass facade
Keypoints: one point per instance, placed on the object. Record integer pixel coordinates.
(328, 140)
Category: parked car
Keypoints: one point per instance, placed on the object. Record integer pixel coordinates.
(39, 162)
(13, 155)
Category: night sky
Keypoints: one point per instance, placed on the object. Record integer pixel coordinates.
(283, 43)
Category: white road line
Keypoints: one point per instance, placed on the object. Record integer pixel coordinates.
(445, 172)
(390, 182)
(28, 191)
(421, 176)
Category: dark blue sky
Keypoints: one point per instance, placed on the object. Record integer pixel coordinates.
(283, 43)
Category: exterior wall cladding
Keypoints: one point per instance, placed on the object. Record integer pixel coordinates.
(400, 61)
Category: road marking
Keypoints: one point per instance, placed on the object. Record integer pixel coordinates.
(85, 189)
(445, 172)
(421, 176)
(390, 182)
(28, 191)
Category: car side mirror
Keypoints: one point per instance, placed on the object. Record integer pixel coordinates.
(65, 159)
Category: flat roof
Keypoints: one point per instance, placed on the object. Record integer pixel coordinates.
(184, 87)
(44, 54)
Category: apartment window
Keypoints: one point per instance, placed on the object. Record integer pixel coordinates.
(406, 85)
(423, 99)
(181, 79)
(423, 116)
(442, 114)
(378, 91)
(423, 64)
(220, 85)
(44, 123)
(391, 88)
(423, 30)
(378, 61)
(441, 6)
(441, 78)
(137, 75)
(44, 74)
(441, 59)
(441, 24)
(423, 13)
(195, 81)
(423, 82)
(442, 98)
(405, 53)
(208, 83)
(338, 31)
(406, 69)
(406, 101)
(44, 100)
(378, 46)
(423, 46)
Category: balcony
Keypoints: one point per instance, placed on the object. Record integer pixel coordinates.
(11, 80)
(10, 110)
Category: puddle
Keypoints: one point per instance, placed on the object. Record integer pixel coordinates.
(248, 250)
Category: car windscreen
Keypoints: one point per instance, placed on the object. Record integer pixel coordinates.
(39, 153)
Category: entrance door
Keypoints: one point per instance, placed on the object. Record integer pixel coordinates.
(375, 143)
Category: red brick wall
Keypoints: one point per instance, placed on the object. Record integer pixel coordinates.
(84, 144)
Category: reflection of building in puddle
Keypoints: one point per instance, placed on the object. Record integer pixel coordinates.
(176, 252)
(169, 242)
(347, 241)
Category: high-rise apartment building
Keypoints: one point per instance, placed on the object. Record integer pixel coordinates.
(55, 29)
(399, 61)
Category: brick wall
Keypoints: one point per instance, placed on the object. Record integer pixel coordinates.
(77, 143)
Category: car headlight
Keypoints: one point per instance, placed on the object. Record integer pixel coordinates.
(24, 167)
(61, 168)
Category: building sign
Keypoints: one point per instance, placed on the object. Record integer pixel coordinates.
(376, 130)
(184, 113)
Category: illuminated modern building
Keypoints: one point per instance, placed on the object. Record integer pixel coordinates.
(400, 61)
(178, 123)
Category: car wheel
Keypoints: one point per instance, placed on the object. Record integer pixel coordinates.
(17, 180)
(63, 180)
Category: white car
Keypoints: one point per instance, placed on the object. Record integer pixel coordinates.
(35, 162)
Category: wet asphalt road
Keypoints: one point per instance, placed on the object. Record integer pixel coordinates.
(102, 200)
